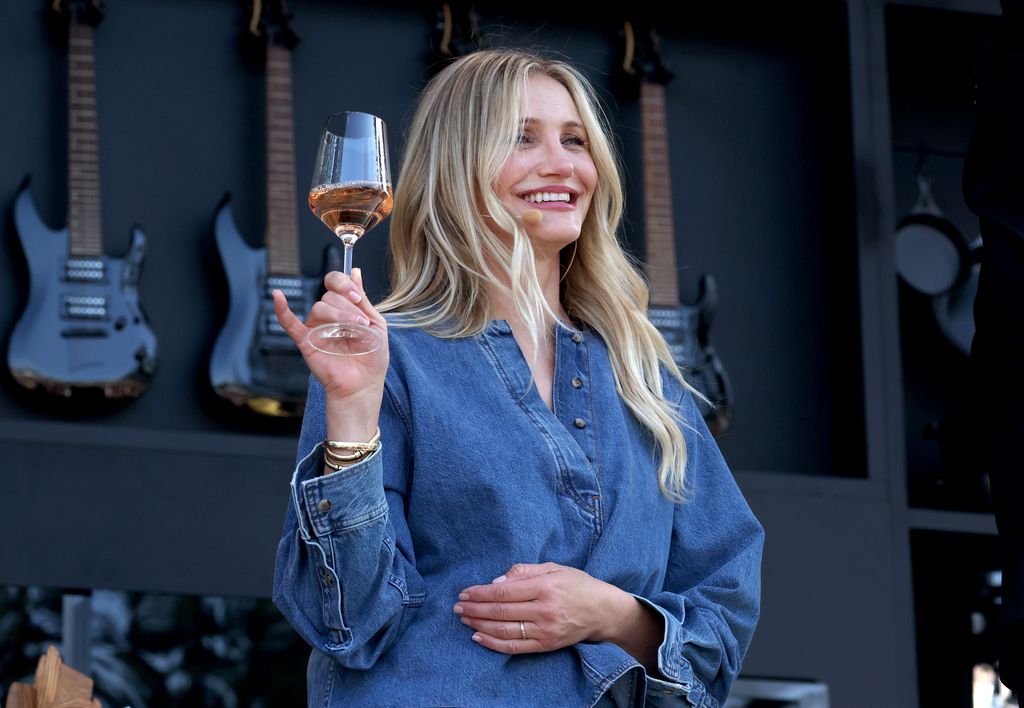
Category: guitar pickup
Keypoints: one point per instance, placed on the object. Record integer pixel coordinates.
(84, 270)
(82, 307)
(291, 287)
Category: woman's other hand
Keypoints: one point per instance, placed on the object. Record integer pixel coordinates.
(558, 606)
(354, 385)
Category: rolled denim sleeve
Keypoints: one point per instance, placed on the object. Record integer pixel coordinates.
(345, 575)
(711, 598)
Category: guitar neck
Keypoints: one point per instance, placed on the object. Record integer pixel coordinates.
(84, 222)
(282, 223)
(659, 230)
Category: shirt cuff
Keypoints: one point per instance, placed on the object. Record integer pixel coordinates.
(339, 501)
(673, 666)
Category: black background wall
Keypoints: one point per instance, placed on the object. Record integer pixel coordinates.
(760, 149)
(773, 183)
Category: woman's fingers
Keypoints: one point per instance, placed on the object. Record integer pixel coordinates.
(324, 311)
(508, 646)
(506, 631)
(351, 289)
(291, 324)
(521, 571)
(521, 591)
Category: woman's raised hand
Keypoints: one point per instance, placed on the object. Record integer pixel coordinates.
(354, 384)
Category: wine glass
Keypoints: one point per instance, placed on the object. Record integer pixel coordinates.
(351, 193)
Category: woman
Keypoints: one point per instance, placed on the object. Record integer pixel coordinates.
(521, 531)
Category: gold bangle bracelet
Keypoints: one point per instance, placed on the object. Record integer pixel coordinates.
(356, 452)
(346, 458)
(338, 463)
(368, 446)
(333, 465)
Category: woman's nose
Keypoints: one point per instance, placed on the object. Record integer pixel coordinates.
(558, 163)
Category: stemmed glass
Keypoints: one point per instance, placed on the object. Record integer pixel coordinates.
(351, 193)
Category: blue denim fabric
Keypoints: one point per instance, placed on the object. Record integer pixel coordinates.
(475, 474)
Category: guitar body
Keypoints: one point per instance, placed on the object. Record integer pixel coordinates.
(686, 330)
(82, 327)
(255, 364)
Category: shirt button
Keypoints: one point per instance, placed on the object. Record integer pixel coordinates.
(576, 383)
(325, 506)
(577, 337)
(580, 423)
(328, 578)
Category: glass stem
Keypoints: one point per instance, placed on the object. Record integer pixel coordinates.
(348, 258)
(349, 239)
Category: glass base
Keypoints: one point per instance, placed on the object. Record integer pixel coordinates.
(344, 339)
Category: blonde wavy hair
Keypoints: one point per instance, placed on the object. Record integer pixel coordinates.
(446, 258)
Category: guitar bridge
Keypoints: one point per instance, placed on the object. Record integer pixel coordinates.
(83, 333)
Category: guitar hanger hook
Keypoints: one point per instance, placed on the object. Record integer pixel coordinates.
(627, 58)
(254, 22)
(446, 38)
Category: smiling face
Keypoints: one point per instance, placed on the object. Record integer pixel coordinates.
(551, 169)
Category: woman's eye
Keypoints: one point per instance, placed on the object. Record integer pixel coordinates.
(575, 141)
(523, 139)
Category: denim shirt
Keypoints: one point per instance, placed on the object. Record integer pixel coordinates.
(475, 473)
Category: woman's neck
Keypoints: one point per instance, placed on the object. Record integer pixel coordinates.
(548, 274)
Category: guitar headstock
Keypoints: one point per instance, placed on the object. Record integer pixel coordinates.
(270, 23)
(87, 12)
(641, 53)
(456, 32)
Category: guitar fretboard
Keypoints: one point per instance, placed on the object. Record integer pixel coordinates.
(84, 223)
(282, 226)
(658, 227)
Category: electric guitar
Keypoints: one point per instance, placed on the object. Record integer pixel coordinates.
(685, 327)
(254, 362)
(82, 328)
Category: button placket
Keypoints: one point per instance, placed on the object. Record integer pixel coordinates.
(575, 408)
(576, 382)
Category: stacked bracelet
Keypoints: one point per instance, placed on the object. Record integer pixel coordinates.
(339, 455)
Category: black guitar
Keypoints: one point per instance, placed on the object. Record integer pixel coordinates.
(685, 327)
(82, 328)
(254, 363)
